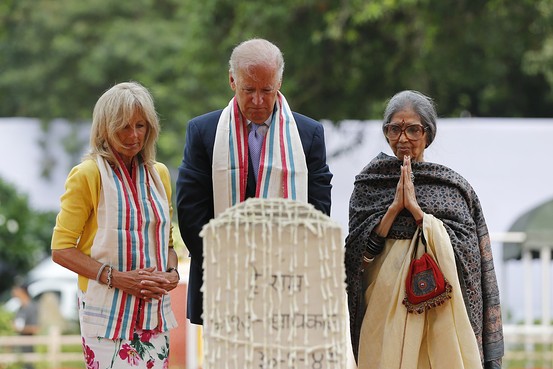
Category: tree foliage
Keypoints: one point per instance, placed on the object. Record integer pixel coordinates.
(24, 235)
(344, 59)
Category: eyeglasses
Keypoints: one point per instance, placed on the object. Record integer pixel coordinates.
(413, 132)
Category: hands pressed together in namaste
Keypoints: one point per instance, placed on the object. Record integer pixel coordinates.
(405, 198)
(405, 192)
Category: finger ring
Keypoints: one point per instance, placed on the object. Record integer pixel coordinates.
(412, 177)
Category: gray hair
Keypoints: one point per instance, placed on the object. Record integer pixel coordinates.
(113, 111)
(420, 104)
(256, 52)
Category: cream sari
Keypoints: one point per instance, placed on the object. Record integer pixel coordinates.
(390, 337)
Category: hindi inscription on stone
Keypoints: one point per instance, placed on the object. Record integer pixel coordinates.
(274, 291)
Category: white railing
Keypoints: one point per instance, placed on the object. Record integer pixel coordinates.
(52, 355)
(529, 344)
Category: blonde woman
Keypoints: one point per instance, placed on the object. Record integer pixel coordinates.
(113, 230)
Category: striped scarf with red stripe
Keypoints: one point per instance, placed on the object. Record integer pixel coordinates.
(282, 169)
(133, 233)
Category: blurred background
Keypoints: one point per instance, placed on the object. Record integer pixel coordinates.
(488, 66)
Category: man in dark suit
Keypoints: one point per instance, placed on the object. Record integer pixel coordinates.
(255, 147)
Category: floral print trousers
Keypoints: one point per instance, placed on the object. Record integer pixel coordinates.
(148, 349)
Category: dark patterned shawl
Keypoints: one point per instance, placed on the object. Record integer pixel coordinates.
(449, 197)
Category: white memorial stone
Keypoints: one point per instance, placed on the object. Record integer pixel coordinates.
(274, 288)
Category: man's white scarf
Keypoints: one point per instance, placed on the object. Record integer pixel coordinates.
(282, 168)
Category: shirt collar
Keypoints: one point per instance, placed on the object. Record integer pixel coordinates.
(267, 122)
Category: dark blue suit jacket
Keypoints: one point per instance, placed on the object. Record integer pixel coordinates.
(195, 189)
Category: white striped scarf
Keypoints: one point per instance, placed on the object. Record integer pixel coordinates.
(133, 233)
(282, 168)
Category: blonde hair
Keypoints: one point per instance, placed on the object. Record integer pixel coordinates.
(113, 111)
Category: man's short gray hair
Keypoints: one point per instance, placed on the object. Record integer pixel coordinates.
(256, 52)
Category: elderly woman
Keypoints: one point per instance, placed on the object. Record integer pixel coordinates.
(394, 197)
(113, 230)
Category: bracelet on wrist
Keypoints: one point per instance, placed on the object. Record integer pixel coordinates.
(169, 270)
(376, 237)
(109, 281)
(367, 258)
(375, 244)
(99, 275)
